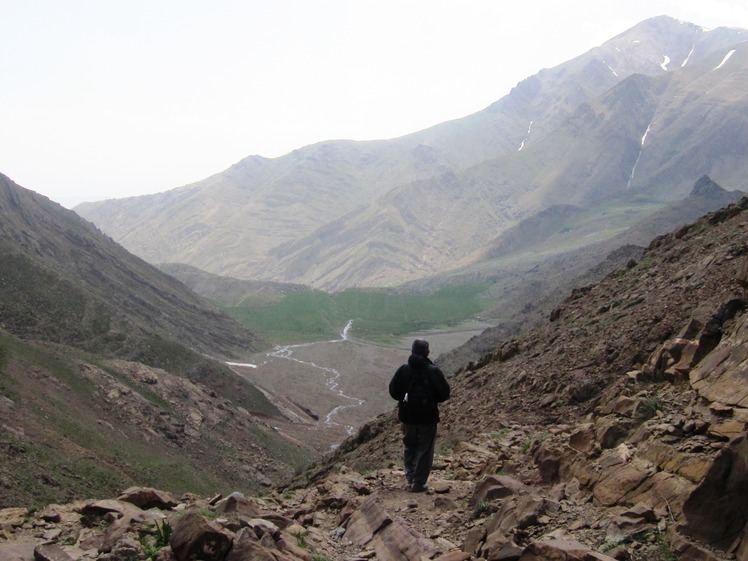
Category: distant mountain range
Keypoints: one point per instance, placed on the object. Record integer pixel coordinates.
(619, 132)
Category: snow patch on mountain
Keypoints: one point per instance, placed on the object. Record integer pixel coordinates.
(689, 56)
(724, 60)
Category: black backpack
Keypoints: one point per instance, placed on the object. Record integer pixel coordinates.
(419, 399)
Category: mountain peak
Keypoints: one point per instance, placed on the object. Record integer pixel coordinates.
(705, 187)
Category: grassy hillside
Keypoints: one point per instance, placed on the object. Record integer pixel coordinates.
(74, 425)
(377, 314)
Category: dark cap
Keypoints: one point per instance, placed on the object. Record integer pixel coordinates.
(420, 347)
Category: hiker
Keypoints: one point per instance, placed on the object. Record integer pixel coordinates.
(418, 387)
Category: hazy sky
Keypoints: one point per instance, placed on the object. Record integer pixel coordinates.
(111, 98)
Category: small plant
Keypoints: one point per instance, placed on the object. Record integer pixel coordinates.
(482, 509)
(531, 440)
(153, 542)
(500, 434)
(208, 513)
(664, 551)
(300, 539)
(649, 406)
(30, 511)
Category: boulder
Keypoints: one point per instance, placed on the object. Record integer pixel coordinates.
(583, 439)
(365, 522)
(723, 374)
(716, 511)
(496, 487)
(147, 497)
(236, 503)
(194, 538)
(125, 549)
(610, 431)
(500, 548)
(390, 537)
(246, 547)
(689, 551)
(51, 552)
(630, 522)
(517, 513)
(619, 480)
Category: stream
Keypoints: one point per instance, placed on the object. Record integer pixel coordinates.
(332, 375)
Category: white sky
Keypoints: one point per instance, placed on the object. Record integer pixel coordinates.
(112, 98)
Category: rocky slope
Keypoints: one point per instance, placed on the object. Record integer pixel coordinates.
(530, 290)
(617, 430)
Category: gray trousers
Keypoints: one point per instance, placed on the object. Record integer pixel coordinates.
(418, 451)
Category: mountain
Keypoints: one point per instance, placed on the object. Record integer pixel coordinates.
(64, 281)
(112, 372)
(614, 431)
(631, 123)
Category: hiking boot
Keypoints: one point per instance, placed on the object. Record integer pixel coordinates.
(416, 488)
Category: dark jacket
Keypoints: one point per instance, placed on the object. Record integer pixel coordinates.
(401, 381)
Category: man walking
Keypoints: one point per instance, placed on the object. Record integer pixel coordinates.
(418, 386)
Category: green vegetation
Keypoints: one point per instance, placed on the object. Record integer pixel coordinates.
(500, 434)
(378, 314)
(302, 542)
(482, 509)
(532, 440)
(649, 406)
(653, 546)
(300, 539)
(154, 541)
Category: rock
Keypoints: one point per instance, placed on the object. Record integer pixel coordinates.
(366, 521)
(721, 375)
(610, 431)
(474, 540)
(726, 430)
(289, 547)
(619, 480)
(236, 503)
(147, 497)
(630, 522)
(622, 405)
(443, 503)
(194, 538)
(689, 551)
(13, 517)
(557, 550)
(126, 549)
(496, 487)
(454, 556)
(500, 548)
(99, 509)
(51, 535)
(51, 552)
(583, 438)
(716, 511)
(441, 487)
(372, 527)
(246, 547)
(17, 551)
(517, 513)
